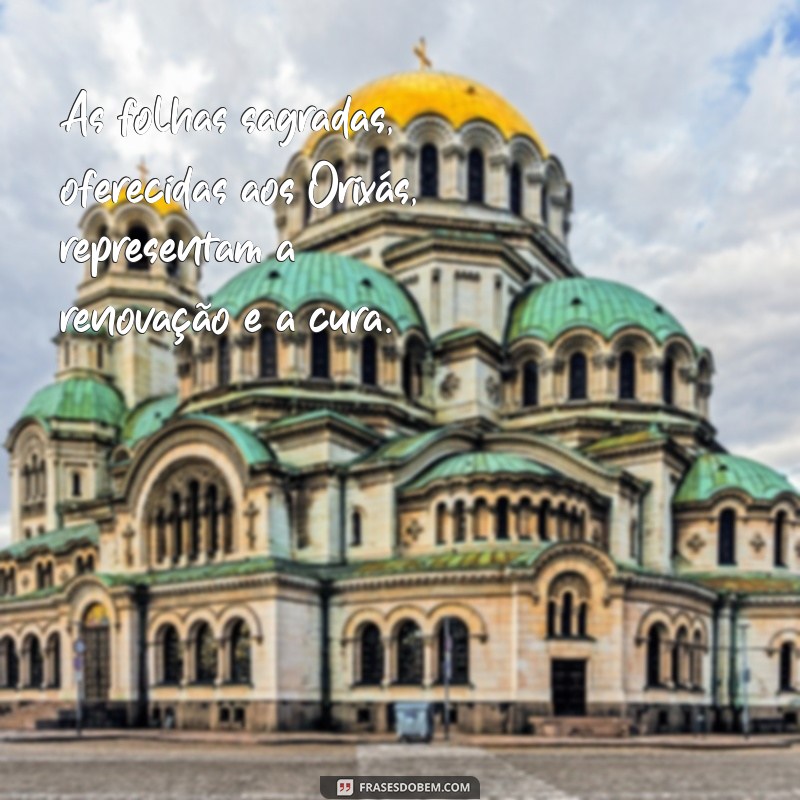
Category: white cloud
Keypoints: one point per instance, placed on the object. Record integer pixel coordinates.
(677, 123)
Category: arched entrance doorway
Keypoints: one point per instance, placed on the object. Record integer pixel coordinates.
(95, 632)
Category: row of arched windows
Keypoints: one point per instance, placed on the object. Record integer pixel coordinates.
(197, 522)
(577, 379)
(44, 575)
(34, 480)
(567, 617)
(726, 538)
(139, 233)
(34, 667)
(203, 650)
(407, 645)
(8, 582)
(678, 663)
(320, 360)
(545, 521)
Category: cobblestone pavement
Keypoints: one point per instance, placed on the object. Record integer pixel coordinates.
(141, 770)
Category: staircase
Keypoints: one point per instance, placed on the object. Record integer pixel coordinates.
(580, 727)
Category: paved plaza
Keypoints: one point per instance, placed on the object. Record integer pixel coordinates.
(137, 770)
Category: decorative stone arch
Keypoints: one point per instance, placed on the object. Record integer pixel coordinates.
(475, 622)
(699, 627)
(403, 612)
(429, 129)
(83, 592)
(125, 215)
(582, 557)
(593, 347)
(163, 619)
(242, 612)
(356, 621)
(655, 614)
(682, 619)
(781, 637)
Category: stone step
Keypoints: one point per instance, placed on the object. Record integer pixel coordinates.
(588, 727)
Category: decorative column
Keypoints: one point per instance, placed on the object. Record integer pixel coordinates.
(428, 666)
(496, 185)
(452, 183)
(532, 189)
(404, 161)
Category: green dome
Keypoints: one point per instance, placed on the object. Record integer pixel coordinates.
(345, 282)
(84, 399)
(148, 418)
(547, 310)
(713, 473)
(483, 463)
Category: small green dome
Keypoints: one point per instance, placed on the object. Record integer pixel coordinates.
(84, 399)
(547, 310)
(148, 418)
(466, 464)
(713, 473)
(341, 280)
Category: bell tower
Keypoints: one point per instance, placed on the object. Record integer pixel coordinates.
(139, 365)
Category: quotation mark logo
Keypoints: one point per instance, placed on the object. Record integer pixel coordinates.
(344, 787)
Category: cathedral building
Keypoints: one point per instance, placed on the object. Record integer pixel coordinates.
(515, 496)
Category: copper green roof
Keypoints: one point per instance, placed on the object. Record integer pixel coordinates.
(549, 309)
(652, 434)
(482, 463)
(84, 399)
(320, 277)
(148, 418)
(401, 448)
(722, 580)
(713, 473)
(320, 414)
(253, 450)
(56, 541)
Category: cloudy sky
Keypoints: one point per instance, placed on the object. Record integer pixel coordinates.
(678, 123)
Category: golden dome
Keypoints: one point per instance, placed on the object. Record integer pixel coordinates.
(160, 206)
(458, 100)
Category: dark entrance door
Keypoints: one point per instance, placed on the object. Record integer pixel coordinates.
(568, 679)
(97, 657)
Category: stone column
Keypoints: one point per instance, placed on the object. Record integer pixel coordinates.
(428, 662)
(496, 181)
(452, 181)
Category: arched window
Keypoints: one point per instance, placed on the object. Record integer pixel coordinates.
(212, 513)
(9, 663)
(33, 651)
(780, 539)
(429, 171)
(194, 520)
(475, 178)
(654, 642)
(369, 361)
(355, 525)
(174, 266)
(566, 614)
(786, 677)
(515, 189)
(307, 206)
(697, 660)
(140, 234)
(727, 537)
(413, 368)
(239, 653)
(99, 352)
(205, 654)
(680, 653)
(320, 354)
(171, 661)
(627, 376)
(668, 386)
(454, 654)
(177, 526)
(552, 615)
(409, 653)
(267, 352)
(545, 206)
(223, 361)
(338, 204)
(543, 522)
(441, 523)
(76, 484)
(380, 163)
(371, 655)
(501, 518)
(53, 656)
(459, 521)
(577, 377)
(583, 612)
(530, 384)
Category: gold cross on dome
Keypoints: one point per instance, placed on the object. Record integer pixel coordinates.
(421, 52)
(142, 167)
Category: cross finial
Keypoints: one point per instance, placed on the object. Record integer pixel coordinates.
(142, 167)
(421, 52)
